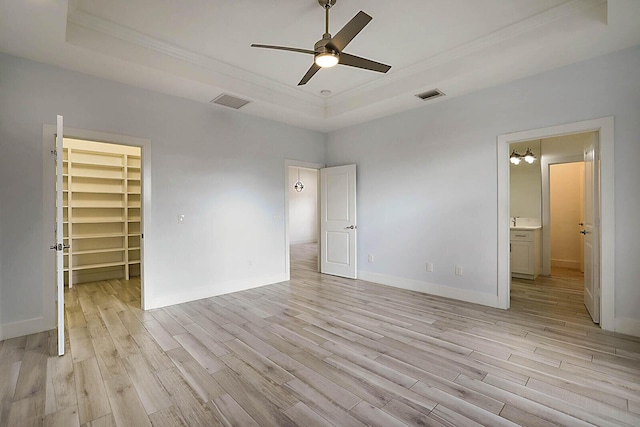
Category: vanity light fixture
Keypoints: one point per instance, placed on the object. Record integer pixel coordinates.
(529, 157)
(299, 186)
(515, 158)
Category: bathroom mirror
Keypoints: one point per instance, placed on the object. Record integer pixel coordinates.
(526, 182)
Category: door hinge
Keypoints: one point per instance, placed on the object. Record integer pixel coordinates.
(55, 154)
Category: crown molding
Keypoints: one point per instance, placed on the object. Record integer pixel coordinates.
(342, 102)
(112, 29)
(570, 8)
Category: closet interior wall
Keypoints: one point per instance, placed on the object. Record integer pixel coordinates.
(101, 196)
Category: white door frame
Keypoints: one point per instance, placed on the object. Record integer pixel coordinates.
(605, 127)
(301, 164)
(546, 162)
(48, 134)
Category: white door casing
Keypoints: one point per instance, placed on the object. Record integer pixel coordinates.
(591, 232)
(59, 245)
(338, 227)
(606, 238)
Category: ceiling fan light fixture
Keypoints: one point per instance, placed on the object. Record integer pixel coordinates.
(326, 59)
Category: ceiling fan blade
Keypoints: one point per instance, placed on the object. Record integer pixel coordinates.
(350, 30)
(310, 73)
(359, 62)
(290, 49)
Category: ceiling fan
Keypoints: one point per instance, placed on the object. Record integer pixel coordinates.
(328, 51)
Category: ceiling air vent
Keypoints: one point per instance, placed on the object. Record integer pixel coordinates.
(430, 94)
(230, 101)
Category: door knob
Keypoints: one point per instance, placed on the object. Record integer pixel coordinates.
(351, 227)
(584, 232)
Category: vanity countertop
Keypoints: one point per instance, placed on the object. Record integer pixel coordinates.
(526, 227)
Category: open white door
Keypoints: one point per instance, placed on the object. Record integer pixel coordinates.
(338, 228)
(59, 245)
(591, 230)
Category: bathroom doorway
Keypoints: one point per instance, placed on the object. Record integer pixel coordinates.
(598, 160)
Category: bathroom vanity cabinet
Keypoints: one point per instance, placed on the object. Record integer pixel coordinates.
(526, 257)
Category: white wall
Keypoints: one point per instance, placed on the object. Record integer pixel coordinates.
(427, 178)
(220, 168)
(303, 206)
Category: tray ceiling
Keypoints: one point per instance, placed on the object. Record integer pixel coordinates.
(199, 49)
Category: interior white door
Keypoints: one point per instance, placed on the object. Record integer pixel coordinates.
(338, 227)
(59, 245)
(591, 231)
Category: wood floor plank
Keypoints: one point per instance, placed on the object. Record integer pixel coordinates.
(169, 417)
(162, 337)
(373, 416)
(108, 358)
(209, 341)
(33, 369)
(410, 416)
(81, 345)
(105, 421)
(9, 371)
(329, 389)
(260, 363)
(153, 396)
(92, 397)
(276, 394)
(411, 398)
(156, 358)
(323, 406)
(195, 375)
(63, 387)
(200, 353)
(183, 397)
(231, 413)
(126, 407)
(27, 412)
(67, 417)
(358, 386)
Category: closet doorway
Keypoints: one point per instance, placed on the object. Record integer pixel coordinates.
(106, 203)
(101, 211)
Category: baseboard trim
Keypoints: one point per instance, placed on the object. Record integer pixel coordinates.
(303, 242)
(628, 326)
(565, 263)
(213, 290)
(431, 288)
(24, 327)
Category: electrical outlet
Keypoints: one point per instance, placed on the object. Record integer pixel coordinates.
(430, 267)
(458, 270)
(370, 258)
(180, 218)
(250, 263)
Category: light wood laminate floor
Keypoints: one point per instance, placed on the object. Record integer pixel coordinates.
(320, 351)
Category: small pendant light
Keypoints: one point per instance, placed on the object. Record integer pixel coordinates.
(299, 186)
